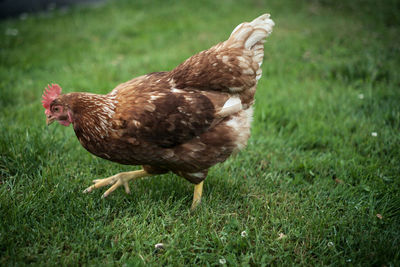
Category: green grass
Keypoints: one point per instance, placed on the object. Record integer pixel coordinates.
(312, 170)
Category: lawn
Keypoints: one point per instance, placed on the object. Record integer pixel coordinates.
(318, 183)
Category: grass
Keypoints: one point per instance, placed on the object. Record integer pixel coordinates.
(313, 187)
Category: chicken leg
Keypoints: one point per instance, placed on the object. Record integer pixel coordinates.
(124, 177)
(117, 180)
(198, 191)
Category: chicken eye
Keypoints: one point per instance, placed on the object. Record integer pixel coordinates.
(56, 109)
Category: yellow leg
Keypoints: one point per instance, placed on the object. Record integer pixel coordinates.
(116, 181)
(198, 191)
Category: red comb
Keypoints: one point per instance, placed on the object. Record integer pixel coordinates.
(50, 93)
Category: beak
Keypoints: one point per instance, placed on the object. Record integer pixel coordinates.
(50, 120)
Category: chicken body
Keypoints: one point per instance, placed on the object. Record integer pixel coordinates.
(185, 120)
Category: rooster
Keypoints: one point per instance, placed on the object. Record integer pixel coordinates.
(184, 121)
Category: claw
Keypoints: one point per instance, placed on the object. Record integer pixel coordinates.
(127, 190)
(87, 190)
(116, 181)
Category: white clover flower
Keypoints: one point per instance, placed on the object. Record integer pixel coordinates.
(330, 244)
(243, 234)
(374, 134)
(361, 96)
(281, 235)
(222, 261)
(159, 246)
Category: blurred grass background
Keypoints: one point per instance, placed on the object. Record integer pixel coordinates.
(315, 186)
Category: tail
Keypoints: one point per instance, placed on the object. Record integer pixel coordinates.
(232, 66)
(252, 35)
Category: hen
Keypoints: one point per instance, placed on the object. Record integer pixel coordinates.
(185, 120)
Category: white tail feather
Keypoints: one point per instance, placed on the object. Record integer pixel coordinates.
(251, 36)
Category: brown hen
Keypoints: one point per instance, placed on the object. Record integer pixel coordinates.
(185, 120)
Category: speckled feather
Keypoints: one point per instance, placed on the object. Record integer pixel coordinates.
(185, 120)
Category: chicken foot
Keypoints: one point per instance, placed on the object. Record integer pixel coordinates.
(124, 177)
(198, 191)
(116, 181)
